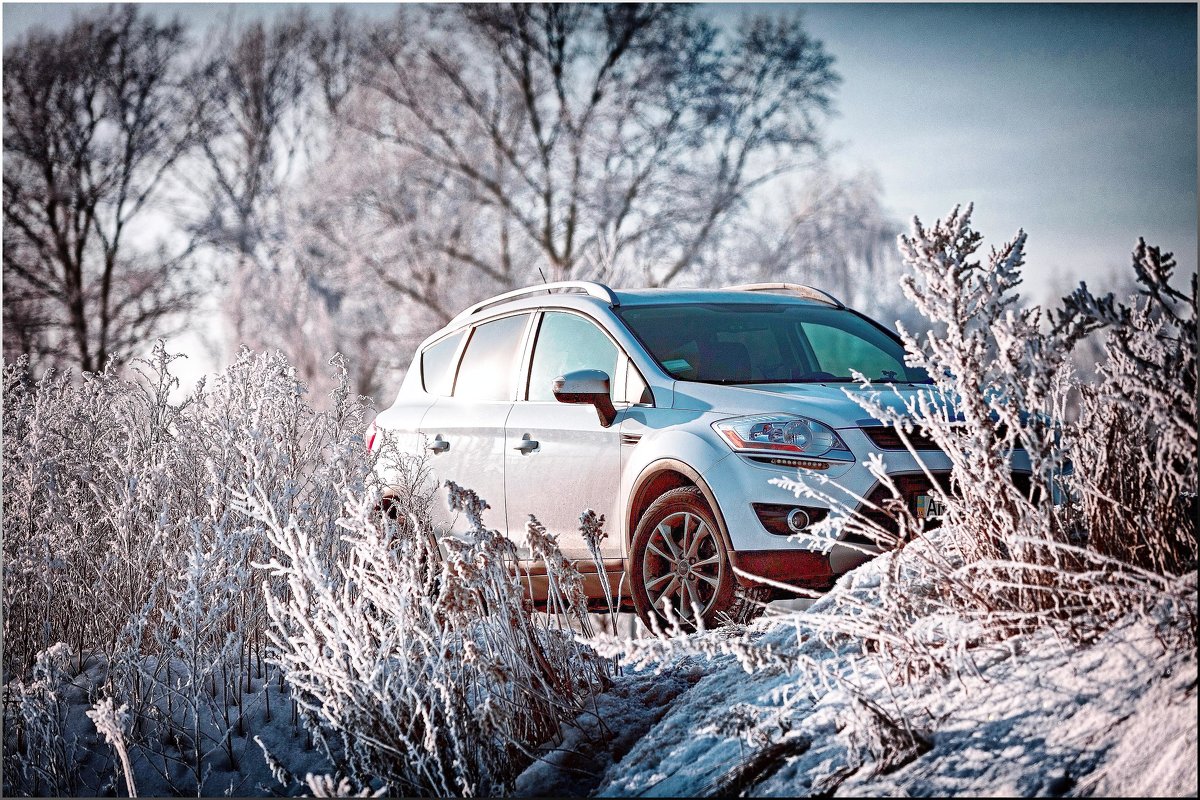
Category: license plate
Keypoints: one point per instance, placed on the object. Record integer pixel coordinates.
(929, 507)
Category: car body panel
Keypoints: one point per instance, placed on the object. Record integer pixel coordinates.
(830, 403)
(576, 465)
(474, 431)
(663, 441)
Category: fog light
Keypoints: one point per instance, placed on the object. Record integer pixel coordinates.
(788, 520)
(798, 520)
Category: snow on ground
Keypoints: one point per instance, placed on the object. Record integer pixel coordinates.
(1037, 717)
(162, 770)
(575, 765)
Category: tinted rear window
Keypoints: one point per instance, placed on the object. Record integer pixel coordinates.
(488, 366)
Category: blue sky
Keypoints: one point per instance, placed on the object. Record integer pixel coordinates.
(1074, 121)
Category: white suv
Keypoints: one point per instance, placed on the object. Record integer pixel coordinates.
(668, 411)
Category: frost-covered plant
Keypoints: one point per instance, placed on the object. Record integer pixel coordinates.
(1134, 446)
(120, 538)
(40, 753)
(1107, 517)
(126, 535)
(431, 670)
(111, 723)
(998, 383)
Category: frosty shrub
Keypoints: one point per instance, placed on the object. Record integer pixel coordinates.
(1134, 447)
(435, 676)
(1106, 521)
(111, 722)
(136, 533)
(120, 539)
(40, 753)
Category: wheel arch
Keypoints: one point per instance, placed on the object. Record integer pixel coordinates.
(662, 476)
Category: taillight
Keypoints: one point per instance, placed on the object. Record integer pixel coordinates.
(371, 436)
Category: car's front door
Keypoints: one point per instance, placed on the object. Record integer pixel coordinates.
(464, 432)
(559, 459)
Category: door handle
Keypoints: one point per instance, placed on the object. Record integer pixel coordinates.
(438, 445)
(527, 445)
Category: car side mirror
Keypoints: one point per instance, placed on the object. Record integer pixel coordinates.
(590, 386)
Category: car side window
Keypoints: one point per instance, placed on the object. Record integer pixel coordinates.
(437, 364)
(488, 365)
(565, 343)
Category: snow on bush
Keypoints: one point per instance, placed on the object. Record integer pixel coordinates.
(218, 567)
(439, 680)
(1106, 521)
(111, 722)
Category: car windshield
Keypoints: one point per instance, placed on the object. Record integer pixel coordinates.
(768, 343)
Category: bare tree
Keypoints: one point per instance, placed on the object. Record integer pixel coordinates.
(468, 149)
(375, 290)
(556, 126)
(269, 89)
(94, 119)
(474, 148)
(257, 99)
(830, 231)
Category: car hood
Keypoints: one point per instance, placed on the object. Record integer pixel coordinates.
(830, 403)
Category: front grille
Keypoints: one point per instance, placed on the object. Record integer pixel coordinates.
(888, 438)
(880, 509)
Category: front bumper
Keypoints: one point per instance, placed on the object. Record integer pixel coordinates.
(738, 482)
(800, 568)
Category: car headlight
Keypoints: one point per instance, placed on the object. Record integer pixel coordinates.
(783, 433)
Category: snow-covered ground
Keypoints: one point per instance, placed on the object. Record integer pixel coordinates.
(1034, 716)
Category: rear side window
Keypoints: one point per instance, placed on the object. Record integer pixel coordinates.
(437, 364)
(489, 364)
(566, 343)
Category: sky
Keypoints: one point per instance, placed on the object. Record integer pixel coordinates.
(1075, 122)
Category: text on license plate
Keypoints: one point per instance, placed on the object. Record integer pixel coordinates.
(929, 507)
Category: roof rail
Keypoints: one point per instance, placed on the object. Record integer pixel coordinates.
(592, 288)
(807, 292)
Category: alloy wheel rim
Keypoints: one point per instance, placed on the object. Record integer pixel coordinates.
(682, 565)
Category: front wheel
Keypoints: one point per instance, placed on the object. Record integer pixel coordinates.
(678, 560)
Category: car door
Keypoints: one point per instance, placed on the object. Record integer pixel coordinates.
(559, 459)
(464, 431)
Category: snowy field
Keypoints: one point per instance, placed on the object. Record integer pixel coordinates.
(1035, 715)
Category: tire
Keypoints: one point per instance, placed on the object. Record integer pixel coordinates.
(680, 523)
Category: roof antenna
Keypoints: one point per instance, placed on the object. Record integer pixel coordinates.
(543, 276)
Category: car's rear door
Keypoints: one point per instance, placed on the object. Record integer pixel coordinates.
(464, 432)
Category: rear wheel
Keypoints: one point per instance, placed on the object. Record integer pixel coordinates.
(679, 560)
